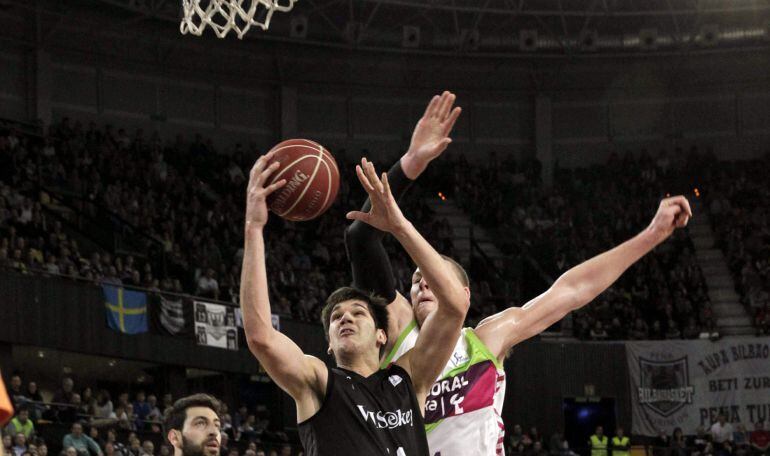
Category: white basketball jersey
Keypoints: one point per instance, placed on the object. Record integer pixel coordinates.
(463, 410)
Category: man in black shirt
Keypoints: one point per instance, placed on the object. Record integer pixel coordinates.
(355, 408)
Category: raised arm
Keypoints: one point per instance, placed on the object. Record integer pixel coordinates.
(297, 374)
(441, 330)
(368, 258)
(581, 284)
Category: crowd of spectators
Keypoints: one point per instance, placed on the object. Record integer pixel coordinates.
(739, 207)
(186, 199)
(719, 439)
(585, 212)
(103, 424)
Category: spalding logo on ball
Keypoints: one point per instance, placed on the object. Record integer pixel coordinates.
(312, 180)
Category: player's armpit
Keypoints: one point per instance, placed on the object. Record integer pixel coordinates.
(302, 376)
(435, 344)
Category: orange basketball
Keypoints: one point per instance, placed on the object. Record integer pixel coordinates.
(312, 180)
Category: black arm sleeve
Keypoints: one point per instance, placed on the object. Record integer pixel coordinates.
(368, 259)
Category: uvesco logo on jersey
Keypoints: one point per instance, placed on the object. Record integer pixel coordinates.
(387, 420)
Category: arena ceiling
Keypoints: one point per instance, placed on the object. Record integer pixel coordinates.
(481, 27)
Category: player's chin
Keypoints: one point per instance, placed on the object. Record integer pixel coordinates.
(210, 450)
(424, 309)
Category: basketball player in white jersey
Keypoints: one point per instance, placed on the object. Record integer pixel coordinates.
(463, 411)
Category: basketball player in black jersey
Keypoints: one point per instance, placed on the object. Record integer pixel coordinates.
(354, 409)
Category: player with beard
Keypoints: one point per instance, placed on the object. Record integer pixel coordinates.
(354, 408)
(463, 411)
(193, 426)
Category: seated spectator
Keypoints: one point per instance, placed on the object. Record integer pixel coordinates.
(721, 433)
(103, 407)
(15, 393)
(678, 443)
(536, 449)
(598, 332)
(208, 287)
(741, 440)
(155, 414)
(63, 396)
(662, 444)
(36, 409)
(760, 439)
(148, 448)
(21, 423)
(8, 445)
(19, 444)
(702, 443)
(82, 444)
(141, 407)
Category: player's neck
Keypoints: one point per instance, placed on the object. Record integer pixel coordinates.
(361, 365)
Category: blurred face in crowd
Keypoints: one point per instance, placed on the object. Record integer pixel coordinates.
(71, 451)
(67, 384)
(23, 416)
(148, 447)
(721, 419)
(42, 450)
(15, 382)
(599, 431)
(7, 441)
(77, 429)
(140, 396)
(21, 440)
(109, 449)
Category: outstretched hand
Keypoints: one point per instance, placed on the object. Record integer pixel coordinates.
(385, 215)
(431, 135)
(257, 193)
(672, 213)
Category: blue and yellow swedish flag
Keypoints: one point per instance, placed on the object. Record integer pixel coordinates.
(126, 310)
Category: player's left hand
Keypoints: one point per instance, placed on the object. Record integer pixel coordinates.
(672, 213)
(431, 135)
(385, 215)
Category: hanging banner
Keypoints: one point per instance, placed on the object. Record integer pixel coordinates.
(215, 325)
(689, 383)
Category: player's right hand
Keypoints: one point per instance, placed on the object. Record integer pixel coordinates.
(431, 135)
(257, 193)
(672, 213)
(385, 215)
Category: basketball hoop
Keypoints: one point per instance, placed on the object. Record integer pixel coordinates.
(225, 15)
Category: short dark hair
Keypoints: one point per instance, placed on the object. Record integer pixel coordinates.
(375, 303)
(175, 416)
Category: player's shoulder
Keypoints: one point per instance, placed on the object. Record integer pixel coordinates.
(511, 313)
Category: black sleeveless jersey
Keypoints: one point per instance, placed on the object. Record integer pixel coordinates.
(366, 416)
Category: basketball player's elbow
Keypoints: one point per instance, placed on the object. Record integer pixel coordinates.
(457, 305)
(259, 340)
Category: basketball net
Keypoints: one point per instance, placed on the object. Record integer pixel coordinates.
(225, 15)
